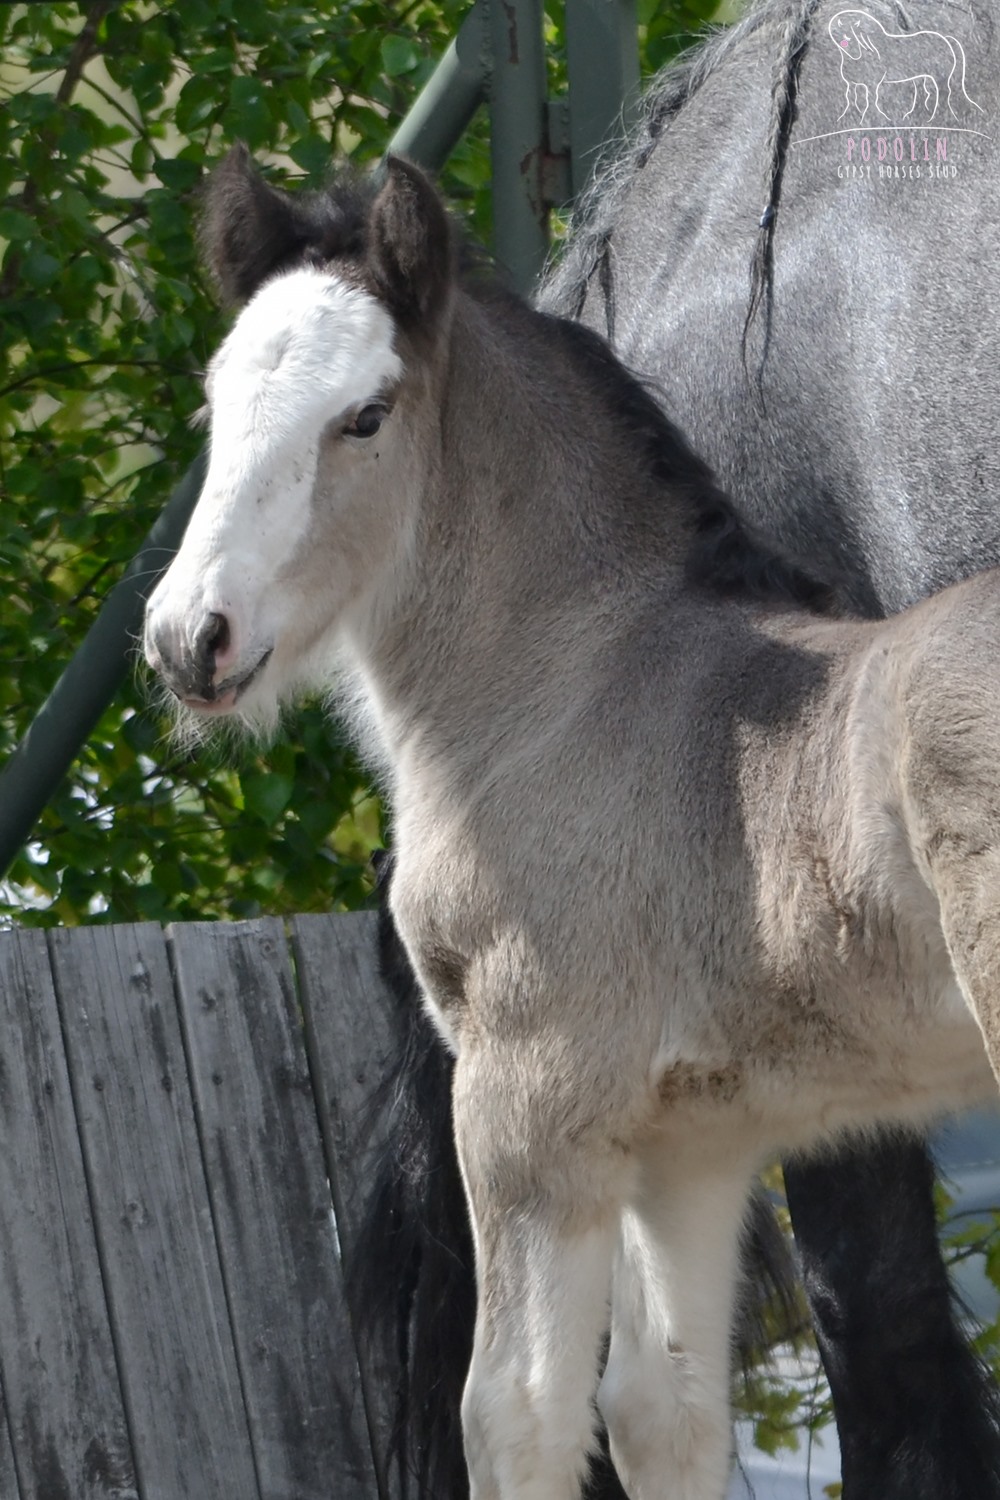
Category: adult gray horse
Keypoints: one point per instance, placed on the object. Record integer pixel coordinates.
(818, 308)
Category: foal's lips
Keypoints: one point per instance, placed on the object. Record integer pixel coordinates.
(212, 705)
(230, 691)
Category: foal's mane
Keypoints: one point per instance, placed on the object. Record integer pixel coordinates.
(725, 555)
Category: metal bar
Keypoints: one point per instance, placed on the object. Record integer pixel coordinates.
(67, 717)
(439, 116)
(602, 61)
(518, 138)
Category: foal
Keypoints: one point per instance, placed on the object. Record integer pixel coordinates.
(687, 873)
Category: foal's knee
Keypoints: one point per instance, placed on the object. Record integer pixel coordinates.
(632, 1419)
(517, 1446)
(668, 1428)
(477, 1418)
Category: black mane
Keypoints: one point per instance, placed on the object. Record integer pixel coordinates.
(597, 212)
(727, 556)
(251, 231)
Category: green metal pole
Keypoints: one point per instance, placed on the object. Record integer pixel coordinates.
(439, 116)
(518, 138)
(602, 63)
(67, 718)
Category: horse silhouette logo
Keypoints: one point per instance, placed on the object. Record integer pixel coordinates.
(880, 66)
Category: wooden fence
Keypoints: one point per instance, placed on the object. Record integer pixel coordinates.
(184, 1140)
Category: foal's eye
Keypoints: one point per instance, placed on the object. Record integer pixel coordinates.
(366, 422)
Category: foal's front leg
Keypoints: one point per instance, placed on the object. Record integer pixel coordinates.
(665, 1392)
(545, 1199)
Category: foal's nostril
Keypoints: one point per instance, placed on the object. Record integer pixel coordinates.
(211, 645)
(218, 640)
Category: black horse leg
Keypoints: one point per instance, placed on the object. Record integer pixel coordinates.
(917, 1412)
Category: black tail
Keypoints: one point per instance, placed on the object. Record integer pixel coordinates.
(413, 1283)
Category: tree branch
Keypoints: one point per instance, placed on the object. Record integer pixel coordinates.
(83, 49)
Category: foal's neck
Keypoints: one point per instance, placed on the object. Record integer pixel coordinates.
(549, 527)
(550, 448)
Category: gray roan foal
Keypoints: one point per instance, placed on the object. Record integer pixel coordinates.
(689, 873)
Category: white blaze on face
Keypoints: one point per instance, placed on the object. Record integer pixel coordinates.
(306, 349)
(309, 349)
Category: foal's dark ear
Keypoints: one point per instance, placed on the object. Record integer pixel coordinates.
(247, 229)
(409, 245)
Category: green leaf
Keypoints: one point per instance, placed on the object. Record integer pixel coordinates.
(197, 102)
(142, 158)
(319, 60)
(176, 173)
(398, 55)
(312, 154)
(38, 268)
(15, 225)
(267, 795)
(248, 117)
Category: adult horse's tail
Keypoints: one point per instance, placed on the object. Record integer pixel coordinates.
(413, 1279)
(413, 1282)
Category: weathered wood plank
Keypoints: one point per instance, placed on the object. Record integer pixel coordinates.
(349, 1036)
(350, 1032)
(273, 1211)
(60, 1381)
(151, 1211)
(9, 1486)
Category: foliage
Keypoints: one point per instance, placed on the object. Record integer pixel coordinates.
(112, 115)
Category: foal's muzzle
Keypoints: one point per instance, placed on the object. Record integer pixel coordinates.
(191, 664)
